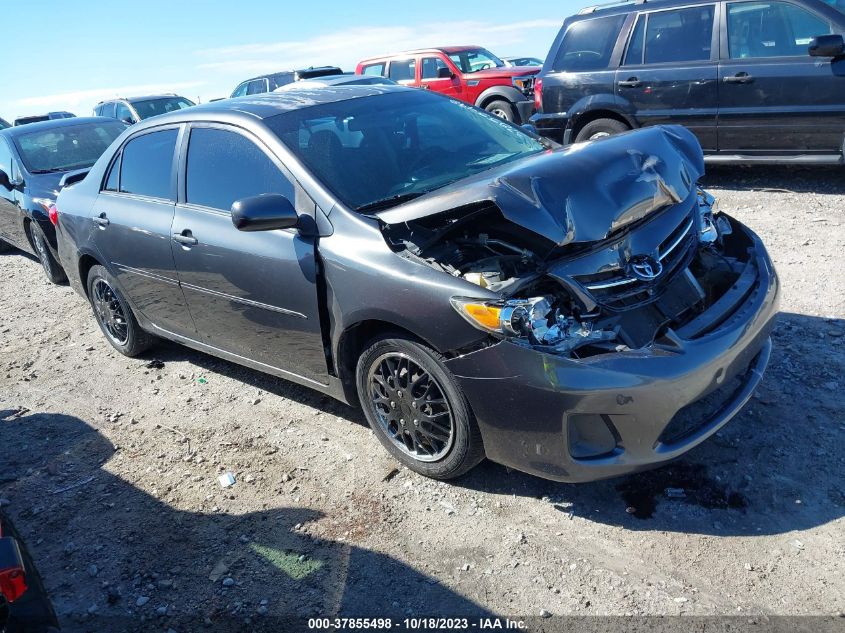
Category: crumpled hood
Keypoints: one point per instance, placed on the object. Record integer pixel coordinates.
(582, 193)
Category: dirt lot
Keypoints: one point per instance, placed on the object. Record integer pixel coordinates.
(109, 466)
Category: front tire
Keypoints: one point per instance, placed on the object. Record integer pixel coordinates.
(600, 128)
(502, 109)
(54, 271)
(416, 408)
(114, 316)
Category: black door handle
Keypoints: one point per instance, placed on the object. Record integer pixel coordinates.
(631, 82)
(102, 221)
(739, 78)
(185, 238)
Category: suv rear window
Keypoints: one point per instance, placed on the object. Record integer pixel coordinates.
(588, 44)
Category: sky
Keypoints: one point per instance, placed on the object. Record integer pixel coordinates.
(69, 56)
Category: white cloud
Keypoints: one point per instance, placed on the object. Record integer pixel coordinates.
(81, 102)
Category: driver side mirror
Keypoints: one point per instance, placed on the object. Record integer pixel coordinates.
(128, 120)
(826, 46)
(445, 73)
(4, 180)
(267, 212)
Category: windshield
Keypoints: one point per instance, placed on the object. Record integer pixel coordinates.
(163, 105)
(68, 147)
(380, 150)
(473, 60)
(837, 4)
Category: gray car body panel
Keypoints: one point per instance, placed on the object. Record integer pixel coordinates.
(348, 275)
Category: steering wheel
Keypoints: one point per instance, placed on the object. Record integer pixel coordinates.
(424, 161)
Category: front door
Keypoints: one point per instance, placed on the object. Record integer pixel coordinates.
(774, 97)
(669, 71)
(430, 79)
(253, 294)
(133, 214)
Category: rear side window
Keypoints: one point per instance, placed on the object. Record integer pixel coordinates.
(403, 70)
(248, 170)
(373, 69)
(771, 29)
(588, 44)
(679, 35)
(256, 87)
(147, 165)
(114, 174)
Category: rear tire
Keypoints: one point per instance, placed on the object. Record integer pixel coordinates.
(52, 268)
(502, 109)
(114, 316)
(416, 408)
(600, 128)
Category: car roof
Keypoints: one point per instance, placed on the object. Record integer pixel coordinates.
(52, 124)
(624, 7)
(265, 105)
(164, 95)
(290, 72)
(449, 50)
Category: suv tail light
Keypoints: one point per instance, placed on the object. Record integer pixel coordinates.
(538, 94)
(53, 214)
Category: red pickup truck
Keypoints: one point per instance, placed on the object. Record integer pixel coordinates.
(469, 73)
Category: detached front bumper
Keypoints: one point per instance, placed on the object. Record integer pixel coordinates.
(611, 414)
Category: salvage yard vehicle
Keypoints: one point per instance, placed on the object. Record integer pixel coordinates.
(269, 83)
(130, 110)
(575, 313)
(36, 160)
(37, 118)
(757, 81)
(346, 79)
(469, 73)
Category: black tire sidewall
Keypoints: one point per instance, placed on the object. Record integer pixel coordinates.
(137, 340)
(54, 271)
(504, 106)
(467, 449)
(611, 126)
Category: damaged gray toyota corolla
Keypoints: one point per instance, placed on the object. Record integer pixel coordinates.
(574, 313)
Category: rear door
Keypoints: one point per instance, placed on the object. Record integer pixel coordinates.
(670, 69)
(133, 214)
(253, 294)
(430, 68)
(403, 71)
(774, 97)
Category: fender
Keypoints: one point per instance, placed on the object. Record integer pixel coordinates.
(508, 93)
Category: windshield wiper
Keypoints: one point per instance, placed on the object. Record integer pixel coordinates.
(391, 201)
(46, 171)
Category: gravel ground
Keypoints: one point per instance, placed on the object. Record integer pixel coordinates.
(109, 466)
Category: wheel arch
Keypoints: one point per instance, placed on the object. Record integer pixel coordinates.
(494, 93)
(589, 116)
(86, 263)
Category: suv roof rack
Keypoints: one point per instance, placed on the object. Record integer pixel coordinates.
(608, 5)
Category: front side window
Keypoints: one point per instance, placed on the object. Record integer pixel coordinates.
(123, 113)
(431, 67)
(373, 69)
(771, 29)
(107, 109)
(225, 166)
(680, 35)
(375, 151)
(153, 107)
(588, 44)
(473, 60)
(403, 70)
(68, 147)
(147, 165)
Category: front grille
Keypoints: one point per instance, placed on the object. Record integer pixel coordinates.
(617, 290)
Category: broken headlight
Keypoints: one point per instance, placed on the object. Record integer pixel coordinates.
(707, 209)
(533, 320)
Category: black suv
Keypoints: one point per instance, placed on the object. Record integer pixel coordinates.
(268, 83)
(133, 109)
(754, 80)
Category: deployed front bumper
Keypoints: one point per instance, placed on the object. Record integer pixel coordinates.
(606, 415)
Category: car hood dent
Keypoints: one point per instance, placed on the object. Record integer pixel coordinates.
(579, 194)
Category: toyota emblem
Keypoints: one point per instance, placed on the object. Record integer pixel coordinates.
(645, 267)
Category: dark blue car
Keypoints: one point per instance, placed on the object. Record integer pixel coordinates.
(755, 80)
(34, 160)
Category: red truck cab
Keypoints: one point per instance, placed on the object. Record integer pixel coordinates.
(469, 73)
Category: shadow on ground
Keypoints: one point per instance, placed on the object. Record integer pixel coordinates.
(776, 178)
(55, 468)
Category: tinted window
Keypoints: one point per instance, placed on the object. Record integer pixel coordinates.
(373, 69)
(107, 109)
(257, 86)
(403, 70)
(397, 144)
(67, 147)
(114, 173)
(588, 44)
(634, 54)
(224, 167)
(280, 79)
(682, 35)
(147, 164)
(475, 59)
(430, 66)
(240, 91)
(771, 29)
(124, 113)
(153, 107)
